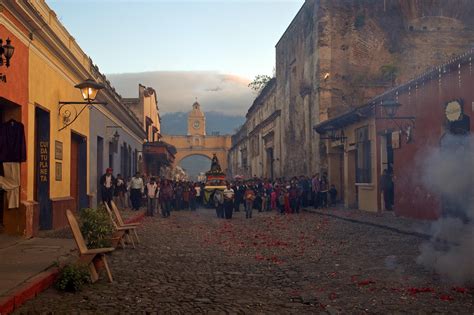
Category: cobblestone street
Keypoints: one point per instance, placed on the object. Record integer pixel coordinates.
(300, 264)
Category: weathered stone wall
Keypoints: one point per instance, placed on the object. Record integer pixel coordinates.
(297, 73)
(338, 54)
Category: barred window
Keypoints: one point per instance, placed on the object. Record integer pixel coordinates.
(363, 156)
(244, 158)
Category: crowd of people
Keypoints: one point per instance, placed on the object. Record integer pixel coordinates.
(153, 193)
(285, 196)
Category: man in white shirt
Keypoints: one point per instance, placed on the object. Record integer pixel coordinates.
(136, 191)
(228, 201)
(152, 190)
(197, 188)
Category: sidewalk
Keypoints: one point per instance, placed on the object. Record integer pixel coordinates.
(386, 220)
(28, 266)
(25, 263)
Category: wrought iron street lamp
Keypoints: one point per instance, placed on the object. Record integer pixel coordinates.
(6, 52)
(116, 136)
(89, 90)
(390, 108)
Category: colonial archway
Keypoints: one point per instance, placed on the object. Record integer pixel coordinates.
(194, 165)
(188, 152)
(197, 142)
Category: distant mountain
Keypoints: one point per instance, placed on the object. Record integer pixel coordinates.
(177, 123)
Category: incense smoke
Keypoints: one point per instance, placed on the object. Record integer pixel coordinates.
(448, 172)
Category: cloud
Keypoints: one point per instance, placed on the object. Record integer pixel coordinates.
(177, 90)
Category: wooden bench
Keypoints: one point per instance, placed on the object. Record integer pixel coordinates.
(122, 223)
(92, 258)
(123, 229)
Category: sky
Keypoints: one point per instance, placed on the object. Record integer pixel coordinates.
(235, 37)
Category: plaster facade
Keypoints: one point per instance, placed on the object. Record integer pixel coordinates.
(411, 143)
(256, 148)
(122, 155)
(145, 107)
(55, 64)
(14, 105)
(46, 66)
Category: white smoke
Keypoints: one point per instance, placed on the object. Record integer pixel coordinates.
(448, 172)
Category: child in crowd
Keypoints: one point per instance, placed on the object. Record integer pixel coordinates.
(249, 197)
(273, 199)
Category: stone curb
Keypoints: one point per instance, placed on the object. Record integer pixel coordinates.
(37, 284)
(28, 290)
(378, 225)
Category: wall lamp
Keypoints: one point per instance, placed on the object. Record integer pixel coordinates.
(389, 108)
(69, 113)
(116, 135)
(335, 136)
(6, 51)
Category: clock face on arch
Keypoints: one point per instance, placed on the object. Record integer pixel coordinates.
(196, 124)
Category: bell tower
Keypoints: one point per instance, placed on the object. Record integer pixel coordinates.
(196, 121)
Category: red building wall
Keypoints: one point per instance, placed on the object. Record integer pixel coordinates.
(14, 93)
(425, 98)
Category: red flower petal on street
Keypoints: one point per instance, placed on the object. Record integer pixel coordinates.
(365, 282)
(460, 290)
(445, 297)
(259, 257)
(332, 296)
(414, 291)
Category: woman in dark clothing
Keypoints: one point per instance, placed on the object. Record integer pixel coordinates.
(324, 192)
(293, 195)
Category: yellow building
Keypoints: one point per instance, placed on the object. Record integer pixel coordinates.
(145, 107)
(54, 177)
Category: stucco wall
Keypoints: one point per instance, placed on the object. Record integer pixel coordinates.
(99, 120)
(51, 82)
(16, 88)
(425, 99)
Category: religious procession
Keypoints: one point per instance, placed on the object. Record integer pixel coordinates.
(162, 196)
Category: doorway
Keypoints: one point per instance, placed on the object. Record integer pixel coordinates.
(78, 184)
(100, 166)
(42, 149)
(351, 191)
(269, 164)
(388, 142)
(8, 110)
